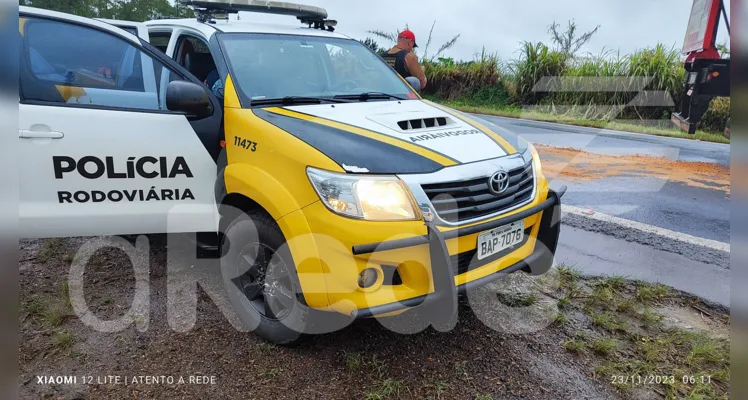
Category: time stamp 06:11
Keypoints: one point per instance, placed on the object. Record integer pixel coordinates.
(659, 379)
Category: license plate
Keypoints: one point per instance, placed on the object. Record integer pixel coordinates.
(501, 238)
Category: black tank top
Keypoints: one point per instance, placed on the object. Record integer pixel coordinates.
(397, 61)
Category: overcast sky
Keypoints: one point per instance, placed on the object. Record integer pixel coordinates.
(500, 25)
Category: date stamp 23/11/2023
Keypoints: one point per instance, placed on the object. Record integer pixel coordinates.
(636, 380)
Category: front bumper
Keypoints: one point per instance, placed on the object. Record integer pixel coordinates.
(444, 296)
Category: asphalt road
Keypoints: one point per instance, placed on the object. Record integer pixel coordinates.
(697, 266)
(699, 212)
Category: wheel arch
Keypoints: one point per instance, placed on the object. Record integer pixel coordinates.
(244, 188)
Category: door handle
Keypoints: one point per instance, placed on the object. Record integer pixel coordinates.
(27, 134)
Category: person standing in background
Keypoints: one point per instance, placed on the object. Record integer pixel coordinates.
(402, 58)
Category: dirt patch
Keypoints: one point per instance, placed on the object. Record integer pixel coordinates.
(578, 165)
(692, 317)
(524, 357)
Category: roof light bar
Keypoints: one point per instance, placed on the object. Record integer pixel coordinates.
(300, 11)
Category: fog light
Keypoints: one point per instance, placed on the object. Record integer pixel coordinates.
(367, 278)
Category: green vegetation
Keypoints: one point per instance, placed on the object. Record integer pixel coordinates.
(574, 346)
(608, 321)
(630, 339)
(354, 361)
(631, 92)
(658, 128)
(649, 293)
(560, 319)
(52, 250)
(516, 300)
(63, 341)
(440, 386)
(461, 370)
(266, 348)
(385, 388)
(604, 346)
(269, 373)
(50, 311)
(128, 10)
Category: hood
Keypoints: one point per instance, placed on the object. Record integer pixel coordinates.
(394, 137)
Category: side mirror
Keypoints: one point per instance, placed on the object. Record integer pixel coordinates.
(189, 98)
(415, 83)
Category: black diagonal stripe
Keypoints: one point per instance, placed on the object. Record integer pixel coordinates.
(351, 149)
(389, 136)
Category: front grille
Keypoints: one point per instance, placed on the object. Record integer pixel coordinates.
(470, 199)
(461, 263)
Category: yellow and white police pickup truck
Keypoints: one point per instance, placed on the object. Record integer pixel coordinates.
(335, 185)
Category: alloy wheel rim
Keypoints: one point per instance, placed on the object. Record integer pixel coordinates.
(265, 282)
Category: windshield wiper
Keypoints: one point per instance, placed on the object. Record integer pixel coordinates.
(368, 95)
(294, 100)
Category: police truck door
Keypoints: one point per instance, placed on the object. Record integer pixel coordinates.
(100, 152)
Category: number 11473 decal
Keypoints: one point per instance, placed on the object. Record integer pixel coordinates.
(245, 144)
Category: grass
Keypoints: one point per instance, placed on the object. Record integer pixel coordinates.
(63, 341)
(560, 319)
(569, 274)
(461, 370)
(354, 360)
(483, 397)
(648, 293)
(574, 346)
(677, 353)
(65, 293)
(34, 307)
(514, 300)
(608, 321)
(440, 387)
(617, 125)
(569, 278)
(385, 388)
(269, 373)
(604, 346)
(602, 296)
(50, 312)
(631, 340)
(649, 317)
(627, 306)
(613, 282)
(53, 249)
(266, 348)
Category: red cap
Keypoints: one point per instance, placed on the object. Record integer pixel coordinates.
(407, 34)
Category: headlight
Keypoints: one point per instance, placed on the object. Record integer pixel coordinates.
(376, 198)
(535, 159)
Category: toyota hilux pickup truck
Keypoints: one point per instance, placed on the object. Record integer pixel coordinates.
(332, 185)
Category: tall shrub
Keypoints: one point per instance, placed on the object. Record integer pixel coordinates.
(535, 61)
(452, 80)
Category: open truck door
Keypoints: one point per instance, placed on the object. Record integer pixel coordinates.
(707, 73)
(112, 133)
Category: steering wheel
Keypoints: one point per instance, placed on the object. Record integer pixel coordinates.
(344, 85)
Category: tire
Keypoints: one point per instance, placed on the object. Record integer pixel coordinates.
(259, 276)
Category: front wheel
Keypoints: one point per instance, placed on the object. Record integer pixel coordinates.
(259, 276)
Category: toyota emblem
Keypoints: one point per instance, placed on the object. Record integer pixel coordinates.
(498, 182)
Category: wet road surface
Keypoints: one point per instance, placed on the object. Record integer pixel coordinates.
(698, 211)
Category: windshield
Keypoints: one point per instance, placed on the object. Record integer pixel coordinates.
(269, 66)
